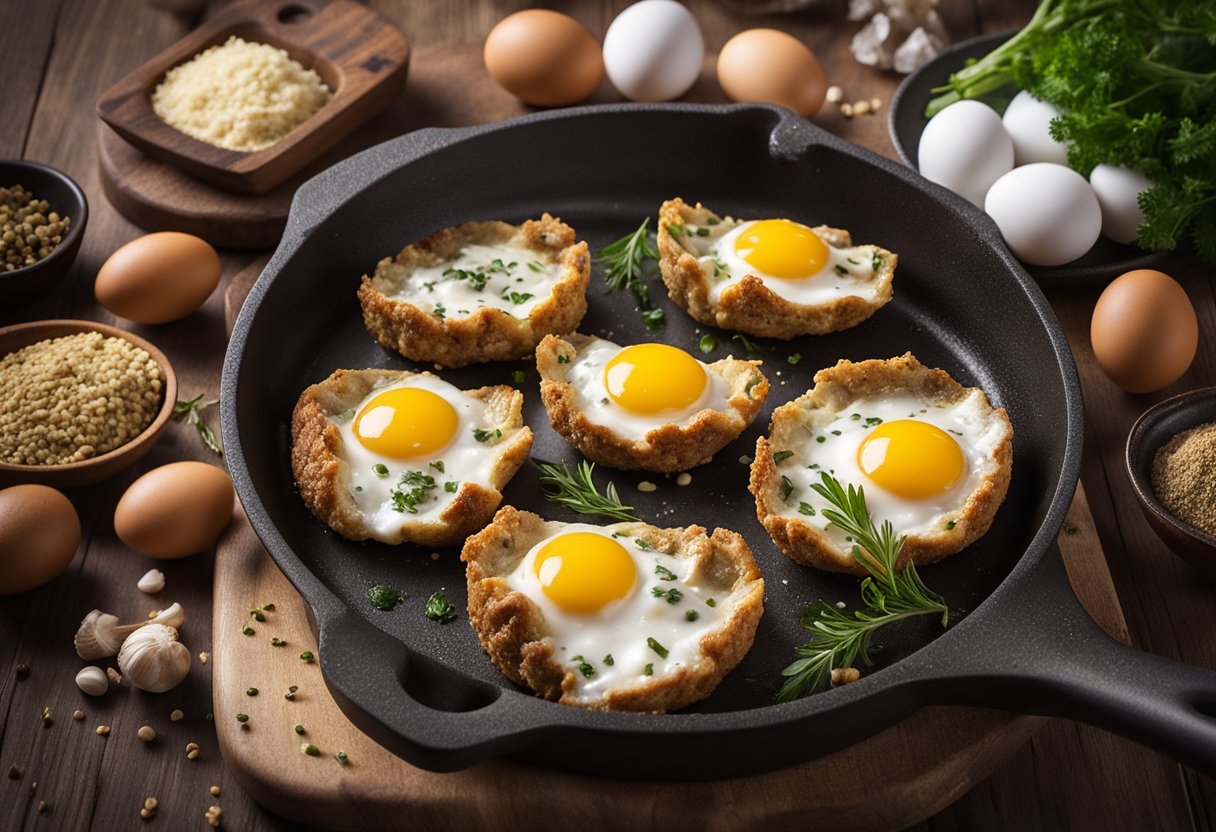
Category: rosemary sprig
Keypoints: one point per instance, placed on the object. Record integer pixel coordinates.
(624, 264)
(837, 638)
(188, 412)
(576, 490)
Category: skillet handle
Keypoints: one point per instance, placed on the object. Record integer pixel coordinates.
(1044, 655)
(462, 722)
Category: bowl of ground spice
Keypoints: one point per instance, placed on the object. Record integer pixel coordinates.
(79, 401)
(1171, 460)
(42, 219)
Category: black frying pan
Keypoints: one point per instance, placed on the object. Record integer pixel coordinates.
(428, 693)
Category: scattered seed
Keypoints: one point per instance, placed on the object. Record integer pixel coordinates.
(177, 715)
(102, 730)
(299, 729)
(215, 791)
(684, 479)
(114, 676)
(204, 657)
(647, 486)
(146, 733)
(844, 675)
(342, 758)
(192, 751)
(251, 691)
(278, 642)
(47, 722)
(14, 772)
(307, 657)
(310, 749)
(242, 718)
(835, 94)
(43, 806)
(148, 810)
(23, 672)
(247, 630)
(78, 714)
(213, 816)
(291, 692)
(860, 108)
(875, 103)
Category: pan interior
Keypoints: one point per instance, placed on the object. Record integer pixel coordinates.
(957, 306)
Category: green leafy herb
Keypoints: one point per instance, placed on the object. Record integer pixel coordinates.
(451, 486)
(384, 597)
(381, 469)
(536, 267)
(664, 573)
(787, 488)
(794, 358)
(648, 670)
(675, 230)
(308, 657)
(708, 344)
(411, 490)
(519, 297)
(562, 358)
(625, 265)
(576, 490)
(584, 667)
(807, 509)
(608, 660)
(642, 544)
(838, 639)
(841, 270)
(653, 318)
(691, 615)
(710, 602)
(1069, 528)
(439, 608)
(950, 524)
(876, 261)
(672, 596)
(518, 376)
(439, 311)
(656, 647)
(748, 345)
(438, 465)
(188, 412)
(782, 456)
(484, 435)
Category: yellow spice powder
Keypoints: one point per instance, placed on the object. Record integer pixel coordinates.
(1184, 476)
(239, 95)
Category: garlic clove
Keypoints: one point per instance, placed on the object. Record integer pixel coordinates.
(152, 582)
(98, 636)
(171, 616)
(153, 659)
(92, 680)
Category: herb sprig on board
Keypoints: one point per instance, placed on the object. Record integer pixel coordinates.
(188, 411)
(839, 639)
(625, 266)
(576, 490)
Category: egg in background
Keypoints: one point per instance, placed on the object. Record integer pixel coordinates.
(1048, 214)
(1028, 122)
(965, 148)
(544, 58)
(772, 67)
(653, 51)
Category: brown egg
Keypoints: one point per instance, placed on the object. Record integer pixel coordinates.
(544, 58)
(39, 533)
(158, 278)
(1144, 331)
(175, 510)
(772, 67)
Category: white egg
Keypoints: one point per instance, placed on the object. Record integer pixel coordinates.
(832, 445)
(1028, 121)
(965, 148)
(430, 481)
(1047, 213)
(499, 276)
(843, 271)
(1118, 190)
(661, 608)
(653, 51)
(588, 376)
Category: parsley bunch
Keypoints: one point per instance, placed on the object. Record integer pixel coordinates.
(1135, 83)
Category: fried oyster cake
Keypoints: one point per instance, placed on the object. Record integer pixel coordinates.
(401, 457)
(625, 617)
(775, 278)
(650, 407)
(933, 457)
(477, 292)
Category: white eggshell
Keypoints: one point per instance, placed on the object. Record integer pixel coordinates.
(1047, 213)
(965, 148)
(1117, 190)
(1028, 121)
(653, 51)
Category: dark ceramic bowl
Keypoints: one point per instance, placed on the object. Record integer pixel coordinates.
(1155, 427)
(66, 198)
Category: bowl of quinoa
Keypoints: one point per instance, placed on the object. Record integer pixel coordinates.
(79, 401)
(43, 214)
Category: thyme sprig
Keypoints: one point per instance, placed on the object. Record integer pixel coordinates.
(576, 490)
(188, 411)
(624, 266)
(839, 639)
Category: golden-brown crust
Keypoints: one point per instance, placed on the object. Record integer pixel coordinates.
(513, 631)
(835, 388)
(322, 475)
(748, 305)
(665, 449)
(487, 334)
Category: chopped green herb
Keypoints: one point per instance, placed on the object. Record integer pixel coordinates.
(653, 318)
(1069, 528)
(787, 488)
(247, 630)
(342, 758)
(794, 358)
(672, 596)
(381, 469)
(518, 376)
(781, 456)
(562, 358)
(664, 573)
(876, 261)
(384, 597)
(251, 691)
(520, 297)
(841, 270)
(674, 230)
(835, 433)
(439, 608)
(310, 749)
(576, 490)
(642, 544)
(536, 267)
(438, 465)
(648, 670)
(950, 524)
(856, 417)
(712, 220)
(821, 439)
(752, 382)
(188, 412)
(853, 260)
(483, 435)
(871, 421)
(807, 509)
(451, 486)
(439, 311)
(691, 615)
(708, 344)
(277, 642)
(584, 667)
(702, 232)
(608, 660)
(299, 729)
(411, 490)
(710, 602)
(656, 647)
(242, 718)
(307, 657)
(748, 345)
(291, 692)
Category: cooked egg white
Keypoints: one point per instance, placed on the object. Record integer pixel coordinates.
(513, 279)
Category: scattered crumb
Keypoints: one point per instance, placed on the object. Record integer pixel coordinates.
(204, 657)
(875, 103)
(647, 486)
(844, 675)
(102, 730)
(213, 816)
(835, 95)
(23, 672)
(47, 722)
(176, 715)
(846, 110)
(215, 791)
(113, 675)
(148, 810)
(78, 714)
(146, 733)
(786, 582)
(43, 806)
(684, 479)
(860, 108)
(192, 751)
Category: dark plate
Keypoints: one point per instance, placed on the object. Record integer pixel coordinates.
(428, 692)
(906, 121)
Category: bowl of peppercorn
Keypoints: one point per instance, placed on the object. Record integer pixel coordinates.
(43, 213)
(1171, 460)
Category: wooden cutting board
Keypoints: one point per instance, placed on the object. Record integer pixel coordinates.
(926, 762)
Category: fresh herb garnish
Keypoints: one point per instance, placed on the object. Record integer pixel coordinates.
(653, 318)
(380, 469)
(439, 311)
(794, 358)
(838, 640)
(787, 488)
(781, 456)
(672, 596)
(841, 270)
(807, 509)
(451, 486)
(584, 667)
(656, 647)
(710, 602)
(648, 670)
(439, 608)
(624, 267)
(519, 297)
(518, 376)
(485, 435)
(562, 358)
(664, 573)
(536, 267)
(708, 344)
(411, 490)
(608, 660)
(691, 615)
(438, 465)
(642, 544)
(576, 490)
(385, 597)
(748, 345)
(188, 412)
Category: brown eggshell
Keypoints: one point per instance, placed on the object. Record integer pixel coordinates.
(39, 533)
(175, 510)
(544, 57)
(772, 67)
(1144, 331)
(158, 278)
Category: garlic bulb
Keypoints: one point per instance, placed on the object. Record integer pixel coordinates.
(93, 681)
(100, 635)
(153, 659)
(152, 582)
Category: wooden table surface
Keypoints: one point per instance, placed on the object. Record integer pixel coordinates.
(57, 56)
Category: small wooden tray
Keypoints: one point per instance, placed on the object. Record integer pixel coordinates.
(358, 54)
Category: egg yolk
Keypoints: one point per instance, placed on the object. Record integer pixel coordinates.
(911, 459)
(582, 572)
(406, 422)
(782, 248)
(654, 378)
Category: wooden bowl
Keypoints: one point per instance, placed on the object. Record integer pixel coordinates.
(67, 199)
(1155, 427)
(99, 467)
(359, 55)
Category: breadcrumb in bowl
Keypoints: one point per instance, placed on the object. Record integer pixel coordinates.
(536, 652)
(533, 282)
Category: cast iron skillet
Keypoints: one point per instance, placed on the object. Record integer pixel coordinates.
(427, 691)
(906, 122)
